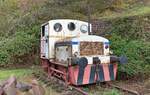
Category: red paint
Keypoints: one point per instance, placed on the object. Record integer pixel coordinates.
(115, 70)
(87, 74)
(106, 72)
(73, 74)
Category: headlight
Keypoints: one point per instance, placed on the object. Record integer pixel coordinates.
(71, 26)
(76, 54)
(57, 27)
(84, 28)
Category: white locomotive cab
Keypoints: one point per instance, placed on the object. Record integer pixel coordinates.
(59, 30)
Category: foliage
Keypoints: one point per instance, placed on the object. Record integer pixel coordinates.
(20, 44)
(130, 37)
(130, 11)
(136, 51)
(112, 92)
(132, 28)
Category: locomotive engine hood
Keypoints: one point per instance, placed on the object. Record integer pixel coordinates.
(89, 47)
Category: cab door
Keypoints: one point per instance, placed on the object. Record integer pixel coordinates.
(45, 41)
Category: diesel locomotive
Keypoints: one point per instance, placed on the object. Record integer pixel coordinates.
(69, 52)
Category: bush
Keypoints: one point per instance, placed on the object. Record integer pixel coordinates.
(132, 28)
(22, 43)
(136, 51)
(130, 38)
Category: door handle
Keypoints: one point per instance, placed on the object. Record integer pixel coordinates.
(46, 40)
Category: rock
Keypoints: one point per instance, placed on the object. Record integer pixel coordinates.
(10, 86)
(37, 89)
(1, 91)
(23, 87)
(11, 89)
(11, 81)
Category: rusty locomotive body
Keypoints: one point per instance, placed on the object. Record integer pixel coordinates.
(70, 53)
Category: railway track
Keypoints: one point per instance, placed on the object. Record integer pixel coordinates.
(133, 92)
(61, 87)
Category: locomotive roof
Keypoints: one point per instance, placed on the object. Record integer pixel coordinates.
(69, 20)
(88, 38)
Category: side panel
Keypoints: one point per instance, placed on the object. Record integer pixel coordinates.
(44, 41)
(52, 41)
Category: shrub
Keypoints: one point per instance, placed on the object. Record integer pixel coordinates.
(22, 43)
(132, 28)
(136, 51)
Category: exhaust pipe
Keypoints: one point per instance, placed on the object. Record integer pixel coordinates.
(122, 59)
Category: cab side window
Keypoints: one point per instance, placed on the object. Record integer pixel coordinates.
(43, 31)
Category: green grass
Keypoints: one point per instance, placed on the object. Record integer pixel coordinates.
(136, 11)
(5, 73)
(106, 91)
(112, 92)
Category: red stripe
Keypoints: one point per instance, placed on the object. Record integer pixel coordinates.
(73, 74)
(76, 72)
(115, 70)
(86, 74)
(106, 72)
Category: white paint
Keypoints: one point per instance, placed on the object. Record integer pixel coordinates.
(62, 54)
(90, 38)
(63, 34)
(44, 43)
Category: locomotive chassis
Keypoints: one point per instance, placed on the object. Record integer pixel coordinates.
(64, 72)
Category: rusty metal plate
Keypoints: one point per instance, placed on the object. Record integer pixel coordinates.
(91, 48)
